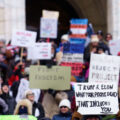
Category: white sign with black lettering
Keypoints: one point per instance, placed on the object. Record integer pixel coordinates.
(96, 98)
(72, 58)
(40, 51)
(104, 68)
(23, 38)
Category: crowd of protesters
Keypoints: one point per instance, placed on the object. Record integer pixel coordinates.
(46, 104)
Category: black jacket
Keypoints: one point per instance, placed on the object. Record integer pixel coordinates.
(40, 109)
(10, 101)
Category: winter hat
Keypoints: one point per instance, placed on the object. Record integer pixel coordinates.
(65, 37)
(65, 102)
(94, 38)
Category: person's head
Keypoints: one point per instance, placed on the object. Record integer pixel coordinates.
(108, 37)
(2, 43)
(94, 40)
(100, 50)
(64, 38)
(5, 88)
(100, 34)
(92, 117)
(64, 106)
(29, 95)
(26, 72)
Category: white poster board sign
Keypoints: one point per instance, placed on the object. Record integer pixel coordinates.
(23, 38)
(48, 28)
(72, 58)
(40, 51)
(50, 14)
(93, 98)
(24, 85)
(104, 68)
(114, 46)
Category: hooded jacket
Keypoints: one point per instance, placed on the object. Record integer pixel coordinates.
(26, 103)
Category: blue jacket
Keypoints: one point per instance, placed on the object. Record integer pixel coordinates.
(61, 116)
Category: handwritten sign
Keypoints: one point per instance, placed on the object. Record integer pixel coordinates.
(73, 48)
(96, 98)
(48, 28)
(72, 58)
(104, 68)
(114, 46)
(57, 77)
(23, 38)
(40, 51)
(76, 68)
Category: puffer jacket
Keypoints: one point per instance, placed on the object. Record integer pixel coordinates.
(61, 116)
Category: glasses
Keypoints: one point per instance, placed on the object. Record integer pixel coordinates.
(63, 107)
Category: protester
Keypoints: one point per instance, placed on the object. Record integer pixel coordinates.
(23, 107)
(91, 48)
(7, 97)
(37, 108)
(51, 100)
(64, 111)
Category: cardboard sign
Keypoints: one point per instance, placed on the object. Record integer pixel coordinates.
(72, 58)
(76, 68)
(50, 14)
(41, 51)
(73, 48)
(17, 117)
(48, 28)
(23, 38)
(93, 98)
(57, 77)
(104, 68)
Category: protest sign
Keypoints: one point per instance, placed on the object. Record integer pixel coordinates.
(41, 51)
(104, 68)
(50, 14)
(72, 58)
(17, 117)
(93, 98)
(57, 77)
(23, 38)
(76, 68)
(114, 46)
(73, 48)
(77, 40)
(48, 28)
(24, 86)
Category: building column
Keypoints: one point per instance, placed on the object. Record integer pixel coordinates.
(113, 18)
(12, 16)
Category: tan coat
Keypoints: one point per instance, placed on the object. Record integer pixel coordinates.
(50, 103)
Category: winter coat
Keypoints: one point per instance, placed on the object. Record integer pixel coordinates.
(60, 116)
(38, 110)
(10, 101)
(26, 103)
(3, 107)
(50, 103)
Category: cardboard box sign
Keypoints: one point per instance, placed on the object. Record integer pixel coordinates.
(57, 77)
